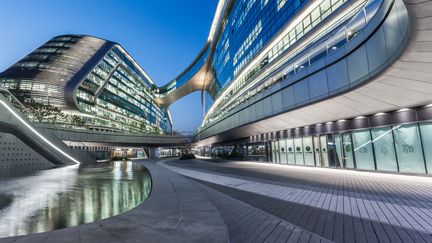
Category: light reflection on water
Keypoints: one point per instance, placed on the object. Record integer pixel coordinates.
(70, 196)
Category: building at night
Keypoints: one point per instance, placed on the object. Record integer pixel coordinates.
(327, 83)
(94, 82)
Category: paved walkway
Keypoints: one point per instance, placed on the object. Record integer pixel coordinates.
(343, 206)
(250, 224)
(253, 202)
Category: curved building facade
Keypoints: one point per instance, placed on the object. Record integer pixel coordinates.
(93, 81)
(325, 83)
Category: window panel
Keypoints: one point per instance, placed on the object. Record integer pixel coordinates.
(290, 151)
(384, 149)
(298, 151)
(283, 152)
(363, 150)
(348, 151)
(324, 151)
(408, 149)
(426, 132)
(308, 151)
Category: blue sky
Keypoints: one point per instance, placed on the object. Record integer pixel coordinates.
(163, 36)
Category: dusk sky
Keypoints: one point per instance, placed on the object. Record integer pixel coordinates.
(163, 36)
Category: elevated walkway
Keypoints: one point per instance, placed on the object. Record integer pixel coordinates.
(119, 139)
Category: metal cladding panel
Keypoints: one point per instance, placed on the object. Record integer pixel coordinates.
(338, 76)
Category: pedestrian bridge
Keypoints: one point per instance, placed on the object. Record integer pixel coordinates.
(119, 139)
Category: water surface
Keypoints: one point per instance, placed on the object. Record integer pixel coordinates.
(69, 196)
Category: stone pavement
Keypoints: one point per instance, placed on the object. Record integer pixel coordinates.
(342, 206)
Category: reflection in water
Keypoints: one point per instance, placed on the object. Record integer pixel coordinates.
(69, 196)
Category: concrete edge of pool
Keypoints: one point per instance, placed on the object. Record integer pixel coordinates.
(176, 210)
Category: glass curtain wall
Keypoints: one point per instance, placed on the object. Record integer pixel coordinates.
(348, 151)
(309, 157)
(402, 148)
(384, 148)
(363, 150)
(298, 151)
(317, 151)
(409, 149)
(426, 135)
(290, 151)
(283, 152)
(324, 154)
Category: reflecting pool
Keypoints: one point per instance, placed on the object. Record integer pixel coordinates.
(69, 196)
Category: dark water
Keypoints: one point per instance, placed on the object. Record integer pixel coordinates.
(69, 196)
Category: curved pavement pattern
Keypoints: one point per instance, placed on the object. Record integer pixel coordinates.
(342, 206)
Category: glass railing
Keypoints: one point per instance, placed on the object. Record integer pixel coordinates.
(300, 58)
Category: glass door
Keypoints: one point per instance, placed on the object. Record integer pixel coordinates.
(298, 151)
(308, 151)
(324, 153)
(290, 151)
(317, 151)
(283, 152)
(275, 153)
(348, 151)
(338, 150)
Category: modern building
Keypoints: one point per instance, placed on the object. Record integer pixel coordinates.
(95, 83)
(326, 83)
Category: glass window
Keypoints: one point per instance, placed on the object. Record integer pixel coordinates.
(363, 150)
(274, 152)
(26, 85)
(325, 6)
(408, 149)
(338, 150)
(283, 152)
(308, 151)
(384, 149)
(348, 151)
(426, 132)
(290, 151)
(324, 153)
(317, 151)
(315, 14)
(298, 151)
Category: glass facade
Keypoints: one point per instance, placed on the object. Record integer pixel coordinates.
(363, 150)
(266, 19)
(52, 57)
(401, 148)
(409, 149)
(120, 97)
(94, 83)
